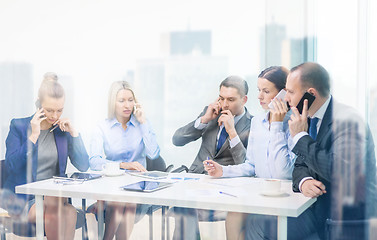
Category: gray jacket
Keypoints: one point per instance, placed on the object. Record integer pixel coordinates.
(226, 155)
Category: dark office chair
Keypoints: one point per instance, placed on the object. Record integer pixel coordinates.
(347, 229)
(3, 219)
(157, 164)
(160, 165)
(21, 227)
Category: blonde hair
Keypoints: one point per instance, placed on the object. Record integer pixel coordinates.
(50, 87)
(114, 89)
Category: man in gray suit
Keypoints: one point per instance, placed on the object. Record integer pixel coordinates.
(224, 128)
(225, 119)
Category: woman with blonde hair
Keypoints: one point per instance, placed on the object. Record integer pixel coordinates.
(37, 148)
(124, 137)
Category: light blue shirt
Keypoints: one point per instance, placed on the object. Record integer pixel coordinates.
(110, 142)
(268, 154)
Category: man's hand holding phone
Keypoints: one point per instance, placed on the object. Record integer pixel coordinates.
(35, 124)
(212, 112)
(310, 99)
(299, 122)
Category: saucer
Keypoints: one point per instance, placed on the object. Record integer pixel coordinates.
(274, 194)
(114, 174)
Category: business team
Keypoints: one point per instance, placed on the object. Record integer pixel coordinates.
(313, 146)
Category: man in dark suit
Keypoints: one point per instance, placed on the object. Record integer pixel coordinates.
(335, 158)
(224, 128)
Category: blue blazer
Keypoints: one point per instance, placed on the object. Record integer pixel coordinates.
(21, 157)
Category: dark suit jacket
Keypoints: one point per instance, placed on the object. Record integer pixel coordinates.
(226, 155)
(343, 159)
(21, 158)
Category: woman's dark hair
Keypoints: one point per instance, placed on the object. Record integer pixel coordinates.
(275, 74)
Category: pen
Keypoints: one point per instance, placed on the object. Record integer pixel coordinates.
(54, 127)
(176, 178)
(186, 178)
(227, 194)
(207, 163)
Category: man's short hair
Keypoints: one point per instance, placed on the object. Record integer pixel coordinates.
(236, 82)
(315, 76)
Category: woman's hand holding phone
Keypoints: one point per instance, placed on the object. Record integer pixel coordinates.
(35, 124)
(279, 110)
(279, 96)
(139, 113)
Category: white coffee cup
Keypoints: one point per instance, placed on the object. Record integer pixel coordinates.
(111, 168)
(271, 185)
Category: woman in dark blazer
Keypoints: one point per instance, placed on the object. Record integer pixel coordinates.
(37, 148)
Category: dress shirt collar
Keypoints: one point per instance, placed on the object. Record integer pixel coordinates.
(237, 118)
(114, 122)
(321, 111)
(266, 116)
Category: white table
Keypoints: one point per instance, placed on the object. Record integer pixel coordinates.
(202, 194)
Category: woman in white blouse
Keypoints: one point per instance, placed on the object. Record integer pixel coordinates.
(267, 151)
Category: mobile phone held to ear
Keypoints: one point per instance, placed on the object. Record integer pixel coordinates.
(38, 103)
(280, 95)
(310, 97)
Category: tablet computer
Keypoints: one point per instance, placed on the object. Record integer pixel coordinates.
(146, 186)
(150, 174)
(85, 176)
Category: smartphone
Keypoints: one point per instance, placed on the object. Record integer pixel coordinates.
(310, 97)
(38, 103)
(85, 176)
(280, 95)
(146, 186)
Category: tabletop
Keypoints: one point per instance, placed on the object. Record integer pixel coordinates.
(189, 190)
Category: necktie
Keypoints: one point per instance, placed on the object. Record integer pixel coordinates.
(313, 127)
(222, 138)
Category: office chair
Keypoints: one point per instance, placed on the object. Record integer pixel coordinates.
(160, 165)
(157, 164)
(22, 227)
